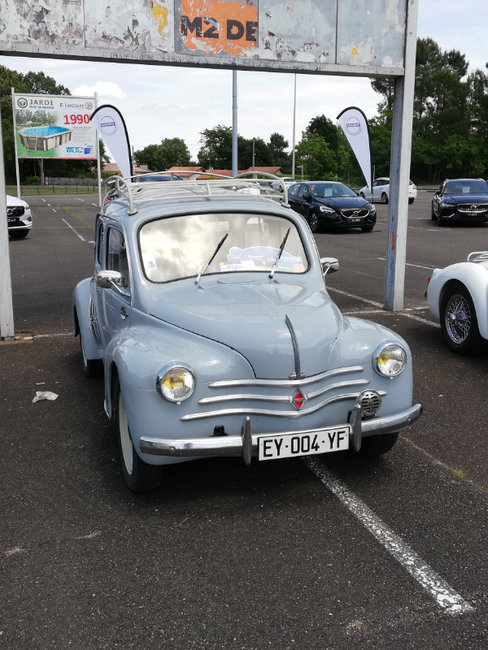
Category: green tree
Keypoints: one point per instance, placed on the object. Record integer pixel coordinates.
(159, 157)
(317, 158)
(277, 146)
(216, 148)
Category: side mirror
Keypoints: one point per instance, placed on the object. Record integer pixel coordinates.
(109, 279)
(329, 265)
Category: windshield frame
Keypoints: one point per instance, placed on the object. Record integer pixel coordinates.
(286, 258)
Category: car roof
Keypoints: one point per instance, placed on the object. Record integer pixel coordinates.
(151, 199)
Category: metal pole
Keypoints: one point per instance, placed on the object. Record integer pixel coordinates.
(14, 119)
(99, 166)
(401, 139)
(234, 124)
(294, 118)
(6, 306)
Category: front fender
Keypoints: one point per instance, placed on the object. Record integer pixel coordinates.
(474, 277)
(82, 297)
(136, 356)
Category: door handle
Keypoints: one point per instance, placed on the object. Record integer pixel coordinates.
(123, 313)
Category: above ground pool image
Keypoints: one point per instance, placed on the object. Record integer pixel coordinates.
(44, 138)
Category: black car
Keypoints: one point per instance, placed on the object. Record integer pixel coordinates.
(328, 204)
(151, 178)
(461, 200)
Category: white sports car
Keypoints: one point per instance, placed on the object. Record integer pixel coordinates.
(458, 298)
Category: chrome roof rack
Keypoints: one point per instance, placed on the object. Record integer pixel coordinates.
(133, 191)
(478, 256)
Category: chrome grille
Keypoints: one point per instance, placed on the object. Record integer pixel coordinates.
(370, 402)
(276, 397)
(354, 213)
(473, 208)
(15, 211)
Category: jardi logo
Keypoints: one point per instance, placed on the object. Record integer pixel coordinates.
(22, 102)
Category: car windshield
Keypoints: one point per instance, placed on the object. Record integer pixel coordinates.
(327, 190)
(466, 187)
(185, 246)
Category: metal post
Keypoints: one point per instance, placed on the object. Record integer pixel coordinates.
(6, 306)
(235, 169)
(293, 134)
(401, 139)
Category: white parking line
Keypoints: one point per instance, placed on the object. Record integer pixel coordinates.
(448, 599)
(71, 227)
(380, 309)
(416, 266)
(48, 204)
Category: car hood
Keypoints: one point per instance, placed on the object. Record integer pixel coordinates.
(13, 201)
(465, 198)
(343, 202)
(278, 328)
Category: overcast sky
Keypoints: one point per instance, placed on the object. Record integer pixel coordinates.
(160, 102)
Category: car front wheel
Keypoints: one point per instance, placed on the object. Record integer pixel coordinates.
(313, 221)
(18, 234)
(139, 476)
(459, 324)
(384, 198)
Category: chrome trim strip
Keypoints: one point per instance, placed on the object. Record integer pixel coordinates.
(234, 445)
(279, 414)
(227, 383)
(280, 398)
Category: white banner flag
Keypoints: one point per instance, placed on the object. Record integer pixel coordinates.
(111, 128)
(355, 126)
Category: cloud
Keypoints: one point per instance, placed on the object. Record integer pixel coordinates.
(106, 90)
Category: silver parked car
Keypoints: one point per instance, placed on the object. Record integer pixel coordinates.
(209, 315)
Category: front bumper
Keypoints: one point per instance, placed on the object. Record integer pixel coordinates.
(246, 445)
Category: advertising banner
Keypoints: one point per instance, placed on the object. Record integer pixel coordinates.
(355, 126)
(51, 126)
(113, 131)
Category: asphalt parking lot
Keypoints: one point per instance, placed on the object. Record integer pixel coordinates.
(332, 553)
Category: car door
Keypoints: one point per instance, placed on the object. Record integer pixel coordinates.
(436, 201)
(294, 197)
(115, 302)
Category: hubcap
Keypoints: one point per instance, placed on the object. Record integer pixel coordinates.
(458, 319)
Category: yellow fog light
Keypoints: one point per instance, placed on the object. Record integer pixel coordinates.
(176, 382)
(390, 359)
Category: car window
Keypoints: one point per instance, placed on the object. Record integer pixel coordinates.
(117, 255)
(177, 247)
(99, 242)
(303, 191)
(326, 190)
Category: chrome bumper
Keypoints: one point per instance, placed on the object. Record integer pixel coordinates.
(246, 445)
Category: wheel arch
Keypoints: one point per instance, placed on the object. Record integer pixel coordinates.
(479, 296)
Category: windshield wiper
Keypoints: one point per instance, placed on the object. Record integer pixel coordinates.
(207, 264)
(280, 253)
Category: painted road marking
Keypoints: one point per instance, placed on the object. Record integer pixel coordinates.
(448, 599)
(71, 227)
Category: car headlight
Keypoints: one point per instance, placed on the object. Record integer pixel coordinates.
(176, 382)
(325, 208)
(390, 359)
(446, 204)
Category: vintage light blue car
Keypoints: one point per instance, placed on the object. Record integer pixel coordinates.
(209, 315)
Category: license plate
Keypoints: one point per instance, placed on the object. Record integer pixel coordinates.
(288, 445)
(355, 220)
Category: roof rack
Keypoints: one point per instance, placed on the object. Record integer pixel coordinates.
(250, 182)
(478, 256)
